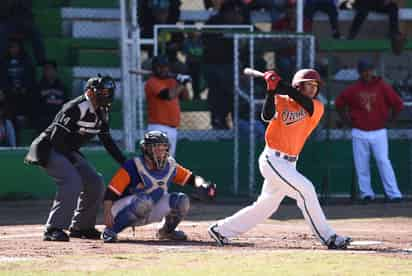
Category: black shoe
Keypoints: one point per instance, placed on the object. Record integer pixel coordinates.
(394, 200)
(91, 233)
(214, 234)
(367, 200)
(338, 242)
(54, 234)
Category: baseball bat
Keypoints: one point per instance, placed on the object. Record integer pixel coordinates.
(140, 72)
(252, 72)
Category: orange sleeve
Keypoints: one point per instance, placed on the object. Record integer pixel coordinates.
(182, 175)
(119, 181)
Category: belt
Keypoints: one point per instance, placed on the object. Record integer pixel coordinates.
(289, 158)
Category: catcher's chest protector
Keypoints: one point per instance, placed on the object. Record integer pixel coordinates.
(155, 182)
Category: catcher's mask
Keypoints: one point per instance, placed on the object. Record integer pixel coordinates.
(304, 75)
(155, 147)
(103, 88)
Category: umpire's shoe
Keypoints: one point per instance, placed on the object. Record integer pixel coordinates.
(338, 242)
(175, 235)
(90, 233)
(55, 234)
(214, 234)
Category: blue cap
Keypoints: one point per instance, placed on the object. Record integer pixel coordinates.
(365, 64)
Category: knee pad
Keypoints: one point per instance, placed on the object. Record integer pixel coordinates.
(134, 214)
(179, 204)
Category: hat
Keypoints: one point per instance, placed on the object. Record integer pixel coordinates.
(159, 4)
(365, 64)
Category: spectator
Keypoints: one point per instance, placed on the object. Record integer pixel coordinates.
(17, 81)
(218, 63)
(286, 50)
(327, 6)
(152, 12)
(366, 107)
(193, 49)
(7, 133)
(51, 96)
(396, 67)
(363, 7)
(16, 20)
(163, 93)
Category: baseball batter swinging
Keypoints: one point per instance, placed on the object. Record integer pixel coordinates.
(292, 114)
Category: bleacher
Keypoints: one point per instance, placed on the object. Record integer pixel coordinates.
(83, 36)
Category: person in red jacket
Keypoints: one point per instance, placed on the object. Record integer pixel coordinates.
(369, 106)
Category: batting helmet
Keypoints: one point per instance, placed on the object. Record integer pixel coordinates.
(148, 144)
(103, 87)
(305, 75)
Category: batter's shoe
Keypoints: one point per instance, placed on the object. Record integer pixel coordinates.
(90, 233)
(108, 236)
(55, 234)
(214, 234)
(338, 242)
(175, 235)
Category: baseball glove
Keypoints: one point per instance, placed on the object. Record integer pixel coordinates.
(205, 190)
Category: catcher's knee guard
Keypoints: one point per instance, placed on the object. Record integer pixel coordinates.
(134, 214)
(179, 204)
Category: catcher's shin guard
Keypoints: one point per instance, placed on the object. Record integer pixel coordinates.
(179, 204)
(134, 214)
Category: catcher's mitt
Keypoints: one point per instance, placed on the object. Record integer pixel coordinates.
(205, 190)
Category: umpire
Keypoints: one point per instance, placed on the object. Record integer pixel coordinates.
(56, 150)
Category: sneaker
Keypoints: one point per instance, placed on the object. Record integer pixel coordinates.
(91, 233)
(108, 236)
(338, 242)
(214, 234)
(175, 235)
(55, 234)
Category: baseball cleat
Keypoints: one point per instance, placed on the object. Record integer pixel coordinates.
(175, 235)
(338, 242)
(90, 233)
(108, 236)
(55, 234)
(214, 234)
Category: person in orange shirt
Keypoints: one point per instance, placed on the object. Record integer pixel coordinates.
(163, 92)
(138, 193)
(292, 114)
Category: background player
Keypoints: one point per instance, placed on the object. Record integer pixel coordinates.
(163, 93)
(138, 192)
(56, 150)
(292, 116)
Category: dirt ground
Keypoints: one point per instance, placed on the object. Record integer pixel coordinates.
(21, 231)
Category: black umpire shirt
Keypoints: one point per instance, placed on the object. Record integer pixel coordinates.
(74, 125)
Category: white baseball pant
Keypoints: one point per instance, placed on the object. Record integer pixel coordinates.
(281, 179)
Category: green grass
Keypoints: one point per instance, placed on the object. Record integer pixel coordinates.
(217, 262)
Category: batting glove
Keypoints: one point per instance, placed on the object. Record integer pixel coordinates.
(183, 79)
(272, 80)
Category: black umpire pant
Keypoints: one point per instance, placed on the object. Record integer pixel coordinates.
(80, 190)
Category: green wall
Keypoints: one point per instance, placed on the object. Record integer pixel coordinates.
(321, 162)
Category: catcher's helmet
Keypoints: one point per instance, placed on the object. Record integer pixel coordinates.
(305, 75)
(103, 87)
(148, 144)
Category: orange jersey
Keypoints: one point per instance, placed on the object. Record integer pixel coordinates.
(161, 111)
(128, 179)
(288, 130)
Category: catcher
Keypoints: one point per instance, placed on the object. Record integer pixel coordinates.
(138, 193)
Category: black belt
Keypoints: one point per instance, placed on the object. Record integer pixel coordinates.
(289, 158)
